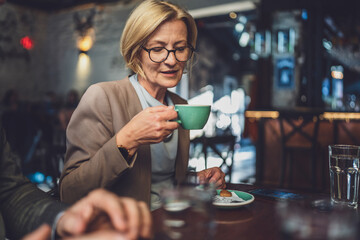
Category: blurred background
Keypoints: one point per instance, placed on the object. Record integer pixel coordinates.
(271, 69)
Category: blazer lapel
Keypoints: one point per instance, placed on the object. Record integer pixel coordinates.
(133, 100)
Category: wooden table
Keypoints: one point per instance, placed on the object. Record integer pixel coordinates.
(258, 220)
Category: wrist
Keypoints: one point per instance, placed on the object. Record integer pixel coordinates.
(54, 233)
(125, 141)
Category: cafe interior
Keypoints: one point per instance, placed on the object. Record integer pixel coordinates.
(282, 78)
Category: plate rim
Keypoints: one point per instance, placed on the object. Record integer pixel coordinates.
(233, 205)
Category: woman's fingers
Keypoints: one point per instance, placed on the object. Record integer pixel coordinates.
(213, 175)
(152, 125)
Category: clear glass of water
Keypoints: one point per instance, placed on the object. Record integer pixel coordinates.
(188, 211)
(344, 174)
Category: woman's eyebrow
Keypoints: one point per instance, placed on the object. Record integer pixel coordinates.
(164, 43)
(179, 42)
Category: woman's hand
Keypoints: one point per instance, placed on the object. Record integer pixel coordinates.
(213, 175)
(152, 125)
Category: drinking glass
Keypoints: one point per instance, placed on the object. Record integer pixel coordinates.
(344, 174)
(188, 211)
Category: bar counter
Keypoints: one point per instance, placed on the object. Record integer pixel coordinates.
(291, 145)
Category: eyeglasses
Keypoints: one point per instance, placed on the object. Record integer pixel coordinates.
(160, 54)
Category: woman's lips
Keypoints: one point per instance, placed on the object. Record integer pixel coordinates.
(170, 73)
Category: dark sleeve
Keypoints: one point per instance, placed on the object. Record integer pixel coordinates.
(23, 206)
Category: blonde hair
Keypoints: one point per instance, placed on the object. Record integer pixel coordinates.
(143, 21)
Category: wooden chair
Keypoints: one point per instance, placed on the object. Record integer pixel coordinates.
(216, 145)
(288, 150)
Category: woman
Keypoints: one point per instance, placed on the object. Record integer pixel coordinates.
(121, 136)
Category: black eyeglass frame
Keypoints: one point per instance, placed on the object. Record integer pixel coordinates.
(148, 50)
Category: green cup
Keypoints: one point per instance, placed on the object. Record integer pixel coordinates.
(192, 116)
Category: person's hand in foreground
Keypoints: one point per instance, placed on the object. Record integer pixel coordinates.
(213, 175)
(101, 215)
(44, 233)
(104, 210)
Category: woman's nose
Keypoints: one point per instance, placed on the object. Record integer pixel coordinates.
(171, 59)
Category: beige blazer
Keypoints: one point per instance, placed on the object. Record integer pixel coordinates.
(92, 158)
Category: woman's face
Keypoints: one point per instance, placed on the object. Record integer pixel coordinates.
(167, 74)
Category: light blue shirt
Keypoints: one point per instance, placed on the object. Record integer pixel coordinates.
(163, 154)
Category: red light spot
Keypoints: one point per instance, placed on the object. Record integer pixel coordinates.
(201, 24)
(27, 42)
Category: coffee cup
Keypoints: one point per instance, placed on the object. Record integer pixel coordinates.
(192, 116)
